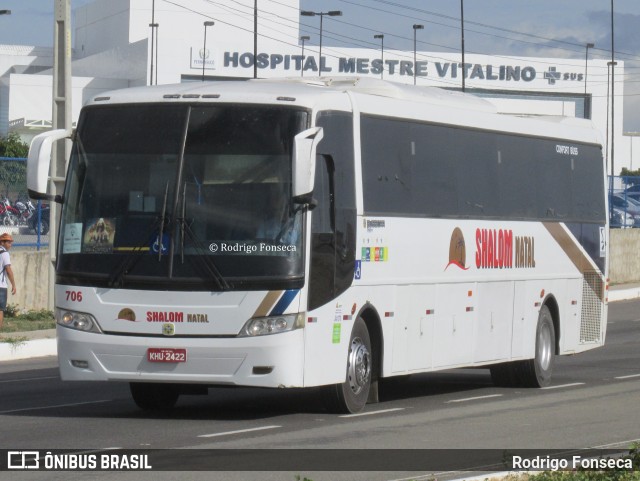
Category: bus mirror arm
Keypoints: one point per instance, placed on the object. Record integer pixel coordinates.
(306, 199)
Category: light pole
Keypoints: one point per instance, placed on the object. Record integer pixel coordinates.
(586, 66)
(303, 39)
(462, 38)
(5, 12)
(613, 97)
(154, 40)
(208, 23)
(331, 13)
(381, 37)
(415, 28)
(255, 39)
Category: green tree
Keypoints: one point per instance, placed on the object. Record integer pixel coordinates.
(13, 146)
(13, 173)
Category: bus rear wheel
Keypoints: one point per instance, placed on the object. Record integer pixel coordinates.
(153, 396)
(537, 372)
(534, 372)
(351, 396)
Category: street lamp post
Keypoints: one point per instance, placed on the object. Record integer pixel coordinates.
(462, 39)
(5, 12)
(154, 40)
(331, 13)
(586, 65)
(613, 96)
(415, 28)
(208, 23)
(303, 39)
(381, 37)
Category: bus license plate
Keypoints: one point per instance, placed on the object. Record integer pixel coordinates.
(166, 354)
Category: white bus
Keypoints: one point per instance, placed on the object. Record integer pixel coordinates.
(327, 232)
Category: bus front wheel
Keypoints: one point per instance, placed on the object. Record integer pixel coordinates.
(351, 396)
(154, 397)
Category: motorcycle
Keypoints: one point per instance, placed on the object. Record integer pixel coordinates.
(25, 211)
(8, 213)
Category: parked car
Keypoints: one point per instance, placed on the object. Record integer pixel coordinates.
(627, 204)
(633, 192)
(621, 219)
(44, 220)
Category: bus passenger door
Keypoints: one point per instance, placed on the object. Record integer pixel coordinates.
(323, 239)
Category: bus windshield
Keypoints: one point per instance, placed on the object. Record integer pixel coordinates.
(191, 196)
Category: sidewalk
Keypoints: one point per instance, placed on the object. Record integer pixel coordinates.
(28, 344)
(43, 343)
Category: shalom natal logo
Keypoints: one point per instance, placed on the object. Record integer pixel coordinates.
(457, 250)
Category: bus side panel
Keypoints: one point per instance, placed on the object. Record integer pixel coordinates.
(454, 325)
(413, 328)
(570, 321)
(492, 338)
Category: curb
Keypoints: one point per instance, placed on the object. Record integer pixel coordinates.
(28, 349)
(624, 294)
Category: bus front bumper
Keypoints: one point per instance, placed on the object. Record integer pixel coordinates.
(266, 361)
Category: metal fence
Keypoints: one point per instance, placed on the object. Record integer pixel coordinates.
(624, 202)
(26, 220)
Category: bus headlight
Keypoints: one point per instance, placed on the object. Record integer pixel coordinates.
(77, 320)
(263, 326)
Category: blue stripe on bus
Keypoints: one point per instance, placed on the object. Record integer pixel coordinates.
(284, 302)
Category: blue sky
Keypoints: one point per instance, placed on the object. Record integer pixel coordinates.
(543, 28)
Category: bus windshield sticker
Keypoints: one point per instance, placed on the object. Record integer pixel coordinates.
(98, 238)
(160, 246)
(72, 242)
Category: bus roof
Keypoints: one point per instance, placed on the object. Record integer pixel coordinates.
(373, 96)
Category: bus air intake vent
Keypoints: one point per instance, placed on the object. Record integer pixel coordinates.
(591, 318)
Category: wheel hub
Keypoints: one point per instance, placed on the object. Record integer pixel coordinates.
(359, 371)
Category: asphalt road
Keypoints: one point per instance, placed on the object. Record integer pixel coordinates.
(593, 402)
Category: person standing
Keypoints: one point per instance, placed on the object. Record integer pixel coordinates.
(6, 241)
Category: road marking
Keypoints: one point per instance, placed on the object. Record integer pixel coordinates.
(564, 385)
(473, 398)
(619, 444)
(30, 379)
(240, 431)
(371, 413)
(55, 406)
(627, 377)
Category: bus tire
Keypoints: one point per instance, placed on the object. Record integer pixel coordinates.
(154, 396)
(351, 396)
(504, 375)
(537, 372)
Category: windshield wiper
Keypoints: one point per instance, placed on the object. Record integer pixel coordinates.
(164, 212)
(207, 262)
(129, 262)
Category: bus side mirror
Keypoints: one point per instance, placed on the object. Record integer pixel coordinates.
(39, 162)
(304, 162)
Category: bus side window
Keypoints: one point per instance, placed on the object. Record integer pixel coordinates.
(322, 272)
